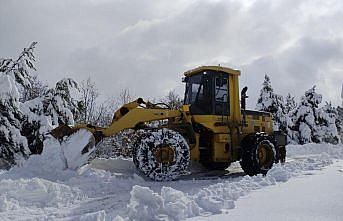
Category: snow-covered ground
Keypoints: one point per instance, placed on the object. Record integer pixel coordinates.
(316, 196)
(111, 189)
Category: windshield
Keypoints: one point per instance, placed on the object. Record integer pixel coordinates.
(221, 95)
(192, 88)
(207, 93)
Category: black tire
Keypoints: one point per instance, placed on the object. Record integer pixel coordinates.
(150, 142)
(253, 162)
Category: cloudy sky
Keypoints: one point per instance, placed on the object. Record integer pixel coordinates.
(147, 45)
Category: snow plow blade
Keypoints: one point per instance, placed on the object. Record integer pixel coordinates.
(77, 145)
(61, 131)
(78, 148)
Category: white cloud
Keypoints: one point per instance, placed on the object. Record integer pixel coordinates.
(146, 45)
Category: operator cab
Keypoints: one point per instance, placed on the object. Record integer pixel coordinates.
(207, 91)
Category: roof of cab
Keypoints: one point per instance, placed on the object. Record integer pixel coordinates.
(211, 68)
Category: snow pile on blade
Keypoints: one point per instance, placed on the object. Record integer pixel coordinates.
(58, 161)
(73, 149)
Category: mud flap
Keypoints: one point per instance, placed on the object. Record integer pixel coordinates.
(280, 141)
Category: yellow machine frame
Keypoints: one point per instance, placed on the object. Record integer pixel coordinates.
(215, 140)
(227, 130)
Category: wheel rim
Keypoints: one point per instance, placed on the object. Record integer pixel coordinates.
(164, 155)
(265, 155)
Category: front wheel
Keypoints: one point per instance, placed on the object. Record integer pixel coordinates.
(161, 154)
(258, 154)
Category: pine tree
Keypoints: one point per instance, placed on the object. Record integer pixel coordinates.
(272, 103)
(14, 77)
(290, 103)
(311, 123)
(327, 128)
(28, 110)
(44, 113)
(59, 103)
(339, 122)
(266, 101)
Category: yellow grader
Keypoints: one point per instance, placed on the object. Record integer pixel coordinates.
(212, 128)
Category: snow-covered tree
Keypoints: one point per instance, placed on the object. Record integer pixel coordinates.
(311, 123)
(273, 103)
(339, 122)
(37, 89)
(56, 106)
(28, 109)
(266, 101)
(290, 103)
(328, 131)
(13, 146)
(20, 68)
(14, 78)
(59, 103)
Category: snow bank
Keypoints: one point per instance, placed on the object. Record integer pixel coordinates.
(49, 165)
(144, 204)
(8, 88)
(96, 216)
(333, 151)
(217, 198)
(171, 204)
(35, 193)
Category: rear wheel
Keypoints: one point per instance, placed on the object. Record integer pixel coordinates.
(259, 154)
(161, 154)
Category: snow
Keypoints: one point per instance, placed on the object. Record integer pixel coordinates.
(314, 196)
(72, 149)
(44, 189)
(8, 88)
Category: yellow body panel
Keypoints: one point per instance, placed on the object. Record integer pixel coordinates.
(132, 119)
(195, 153)
(140, 115)
(212, 68)
(258, 124)
(221, 148)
